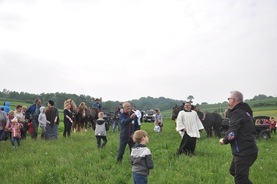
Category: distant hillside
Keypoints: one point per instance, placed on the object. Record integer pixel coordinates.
(267, 107)
(144, 103)
(269, 103)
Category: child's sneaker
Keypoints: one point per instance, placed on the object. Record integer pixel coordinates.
(13, 147)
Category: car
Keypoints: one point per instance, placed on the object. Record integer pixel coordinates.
(262, 126)
(149, 116)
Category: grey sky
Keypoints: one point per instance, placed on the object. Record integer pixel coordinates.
(123, 50)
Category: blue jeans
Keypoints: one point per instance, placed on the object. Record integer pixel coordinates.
(140, 179)
(13, 139)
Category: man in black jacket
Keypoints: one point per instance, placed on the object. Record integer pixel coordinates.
(241, 136)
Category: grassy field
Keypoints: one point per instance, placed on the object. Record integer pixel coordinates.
(77, 160)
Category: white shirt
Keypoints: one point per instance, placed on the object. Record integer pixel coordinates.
(19, 116)
(138, 114)
(190, 122)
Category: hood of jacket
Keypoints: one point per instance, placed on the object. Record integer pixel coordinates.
(243, 106)
(7, 104)
(100, 121)
(41, 109)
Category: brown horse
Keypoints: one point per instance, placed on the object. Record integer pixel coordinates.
(86, 117)
(92, 117)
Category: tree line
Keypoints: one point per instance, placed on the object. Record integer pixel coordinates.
(144, 103)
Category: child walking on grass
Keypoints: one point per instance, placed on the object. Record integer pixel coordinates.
(141, 158)
(42, 121)
(15, 127)
(100, 131)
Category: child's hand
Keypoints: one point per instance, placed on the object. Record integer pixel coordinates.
(48, 122)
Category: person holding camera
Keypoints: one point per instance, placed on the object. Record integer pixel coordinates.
(128, 125)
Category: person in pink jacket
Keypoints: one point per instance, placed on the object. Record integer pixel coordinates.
(15, 127)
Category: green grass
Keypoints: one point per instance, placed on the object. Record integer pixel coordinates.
(271, 113)
(77, 160)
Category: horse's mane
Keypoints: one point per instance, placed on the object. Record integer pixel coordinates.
(72, 103)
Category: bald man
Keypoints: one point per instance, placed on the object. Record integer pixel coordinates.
(128, 125)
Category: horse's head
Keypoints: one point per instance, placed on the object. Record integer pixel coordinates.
(201, 115)
(82, 109)
(175, 111)
(84, 112)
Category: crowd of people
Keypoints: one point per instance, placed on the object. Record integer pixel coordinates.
(241, 133)
(271, 122)
(16, 123)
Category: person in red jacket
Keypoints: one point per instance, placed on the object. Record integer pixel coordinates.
(272, 125)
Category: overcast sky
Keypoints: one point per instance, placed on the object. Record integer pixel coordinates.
(124, 50)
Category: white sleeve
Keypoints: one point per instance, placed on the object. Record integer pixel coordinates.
(179, 122)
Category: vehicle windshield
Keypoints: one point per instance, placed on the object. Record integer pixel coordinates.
(150, 112)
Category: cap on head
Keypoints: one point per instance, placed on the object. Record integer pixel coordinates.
(51, 102)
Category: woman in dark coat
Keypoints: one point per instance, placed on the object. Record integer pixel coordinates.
(52, 115)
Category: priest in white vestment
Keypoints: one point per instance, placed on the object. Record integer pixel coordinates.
(188, 125)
